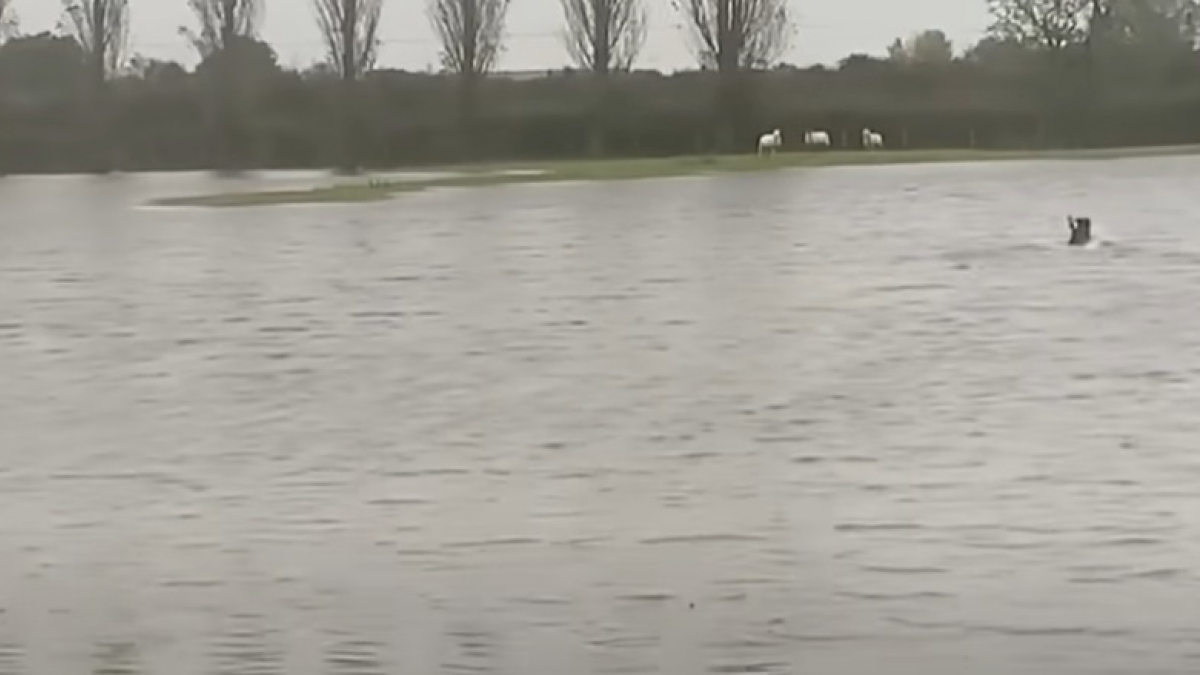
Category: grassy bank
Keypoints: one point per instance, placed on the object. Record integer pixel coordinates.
(366, 189)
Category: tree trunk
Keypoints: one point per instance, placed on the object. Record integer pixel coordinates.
(348, 125)
(726, 111)
(468, 116)
(349, 93)
(601, 109)
(227, 115)
(102, 151)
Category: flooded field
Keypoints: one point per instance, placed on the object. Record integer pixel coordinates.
(838, 422)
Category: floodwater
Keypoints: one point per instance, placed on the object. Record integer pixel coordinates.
(837, 422)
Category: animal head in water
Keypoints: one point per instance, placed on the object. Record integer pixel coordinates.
(1081, 230)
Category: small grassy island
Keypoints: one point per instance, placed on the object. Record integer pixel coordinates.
(367, 189)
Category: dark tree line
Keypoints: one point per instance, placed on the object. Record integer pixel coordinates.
(1051, 73)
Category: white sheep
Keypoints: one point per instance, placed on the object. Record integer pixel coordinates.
(771, 141)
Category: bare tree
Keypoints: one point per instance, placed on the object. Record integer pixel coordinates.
(351, 32)
(101, 27)
(471, 33)
(8, 19)
(223, 32)
(222, 23)
(1065, 32)
(350, 29)
(1053, 25)
(604, 35)
(732, 35)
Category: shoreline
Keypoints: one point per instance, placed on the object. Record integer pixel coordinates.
(376, 186)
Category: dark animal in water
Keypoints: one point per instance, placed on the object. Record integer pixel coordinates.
(1081, 230)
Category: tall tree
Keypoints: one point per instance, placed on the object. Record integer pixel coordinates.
(1099, 17)
(8, 20)
(220, 23)
(101, 28)
(471, 33)
(930, 47)
(604, 35)
(732, 36)
(1051, 25)
(1055, 30)
(1172, 24)
(1145, 43)
(350, 29)
(224, 30)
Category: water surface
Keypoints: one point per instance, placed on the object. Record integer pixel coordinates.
(842, 421)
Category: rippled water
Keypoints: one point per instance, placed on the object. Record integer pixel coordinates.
(847, 421)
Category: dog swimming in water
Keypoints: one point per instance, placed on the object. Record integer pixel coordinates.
(1081, 231)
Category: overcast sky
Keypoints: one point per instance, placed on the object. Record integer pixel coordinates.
(827, 30)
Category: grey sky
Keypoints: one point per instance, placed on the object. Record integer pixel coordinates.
(827, 30)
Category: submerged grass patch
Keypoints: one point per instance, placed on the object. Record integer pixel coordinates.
(369, 190)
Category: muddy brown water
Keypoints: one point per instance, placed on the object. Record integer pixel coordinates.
(841, 422)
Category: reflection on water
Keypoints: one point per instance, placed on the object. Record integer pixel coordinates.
(840, 421)
(119, 658)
